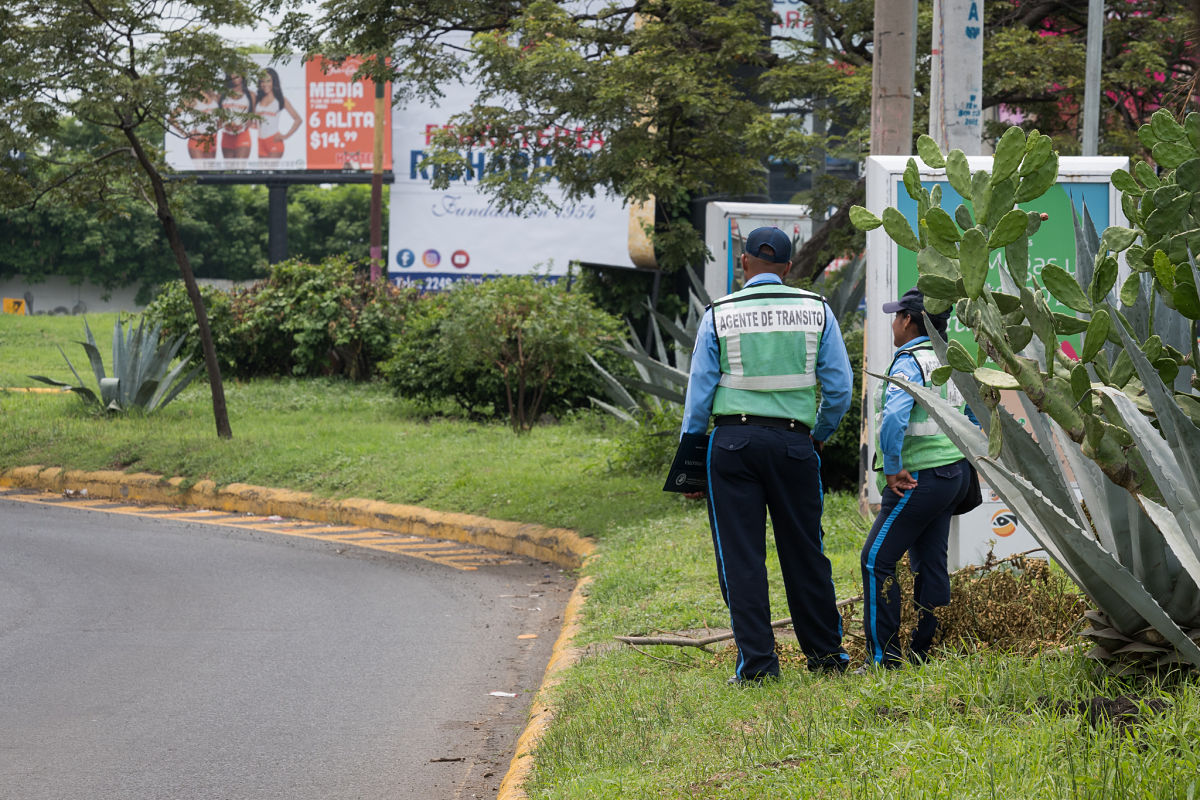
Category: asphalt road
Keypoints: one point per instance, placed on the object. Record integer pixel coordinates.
(146, 658)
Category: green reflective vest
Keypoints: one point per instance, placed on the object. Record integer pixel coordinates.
(768, 336)
(925, 445)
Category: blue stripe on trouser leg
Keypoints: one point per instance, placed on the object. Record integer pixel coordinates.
(716, 537)
(919, 524)
(870, 589)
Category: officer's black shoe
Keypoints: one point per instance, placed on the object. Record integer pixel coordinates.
(832, 666)
(757, 680)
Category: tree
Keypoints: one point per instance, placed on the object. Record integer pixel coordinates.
(127, 68)
(691, 97)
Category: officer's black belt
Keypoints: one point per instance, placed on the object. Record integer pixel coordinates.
(769, 422)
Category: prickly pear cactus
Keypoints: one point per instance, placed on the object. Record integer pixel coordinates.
(1126, 405)
(1016, 330)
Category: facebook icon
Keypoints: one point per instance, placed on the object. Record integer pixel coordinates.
(405, 258)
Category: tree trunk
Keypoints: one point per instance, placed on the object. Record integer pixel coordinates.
(805, 262)
(163, 208)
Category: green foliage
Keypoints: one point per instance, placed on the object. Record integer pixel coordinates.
(333, 320)
(172, 309)
(224, 229)
(93, 244)
(423, 367)
(648, 447)
(142, 375)
(305, 319)
(326, 222)
(512, 345)
(526, 330)
(684, 95)
(841, 461)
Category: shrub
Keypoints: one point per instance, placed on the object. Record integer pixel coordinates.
(335, 321)
(422, 365)
(304, 319)
(514, 344)
(649, 446)
(172, 308)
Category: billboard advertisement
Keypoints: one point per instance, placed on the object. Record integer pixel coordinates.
(439, 236)
(292, 115)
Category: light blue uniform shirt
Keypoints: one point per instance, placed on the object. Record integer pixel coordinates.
(833, 373)
(897, 408)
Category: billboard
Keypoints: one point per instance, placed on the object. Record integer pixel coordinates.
(292, 115)
(439, 236)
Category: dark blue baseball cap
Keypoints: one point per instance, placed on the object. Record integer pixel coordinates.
(911, 302)
(773, 238)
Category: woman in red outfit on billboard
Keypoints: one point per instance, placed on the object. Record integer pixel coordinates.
(235, 132)
(270, 105)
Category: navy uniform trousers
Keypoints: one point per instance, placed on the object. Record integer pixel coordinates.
(917, 523)
(751, 469)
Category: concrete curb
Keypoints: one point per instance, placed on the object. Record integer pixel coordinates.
(542, 711)
(556, 545)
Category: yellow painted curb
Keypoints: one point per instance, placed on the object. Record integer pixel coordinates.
(558, 546)
(541, 711)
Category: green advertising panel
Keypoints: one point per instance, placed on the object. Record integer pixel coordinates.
(1054, 243)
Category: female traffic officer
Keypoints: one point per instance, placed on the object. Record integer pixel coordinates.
(923, 479)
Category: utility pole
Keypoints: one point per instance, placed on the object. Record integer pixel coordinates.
(377, 187)
(892, 77)
(1091, 83)
(956, 76)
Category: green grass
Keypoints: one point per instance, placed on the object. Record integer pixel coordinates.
(29, 346)
(659, 723)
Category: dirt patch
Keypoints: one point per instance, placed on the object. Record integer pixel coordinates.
(1121, 712)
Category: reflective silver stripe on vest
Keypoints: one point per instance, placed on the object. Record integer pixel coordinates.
(769, 383)
(928, 361)
(732, 321)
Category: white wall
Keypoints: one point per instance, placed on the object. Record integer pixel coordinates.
(57, 295)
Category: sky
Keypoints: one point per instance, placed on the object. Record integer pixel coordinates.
(261, 35)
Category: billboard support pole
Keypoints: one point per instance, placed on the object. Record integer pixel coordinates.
(377, 188)
(277, 240)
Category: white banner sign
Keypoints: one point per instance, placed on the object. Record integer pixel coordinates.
(439, 236)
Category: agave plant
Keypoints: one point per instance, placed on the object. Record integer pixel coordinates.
(1119, 419)
(142, 375)
(659, 380)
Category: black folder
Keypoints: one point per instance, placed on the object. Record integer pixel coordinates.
(689, 470)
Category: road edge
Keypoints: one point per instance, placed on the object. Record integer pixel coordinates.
(542, 710)
(559, 546)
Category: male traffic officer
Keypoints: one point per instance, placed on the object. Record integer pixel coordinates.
(923, 479)
(760, 353)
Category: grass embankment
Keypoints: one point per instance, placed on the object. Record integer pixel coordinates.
(660, 722)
